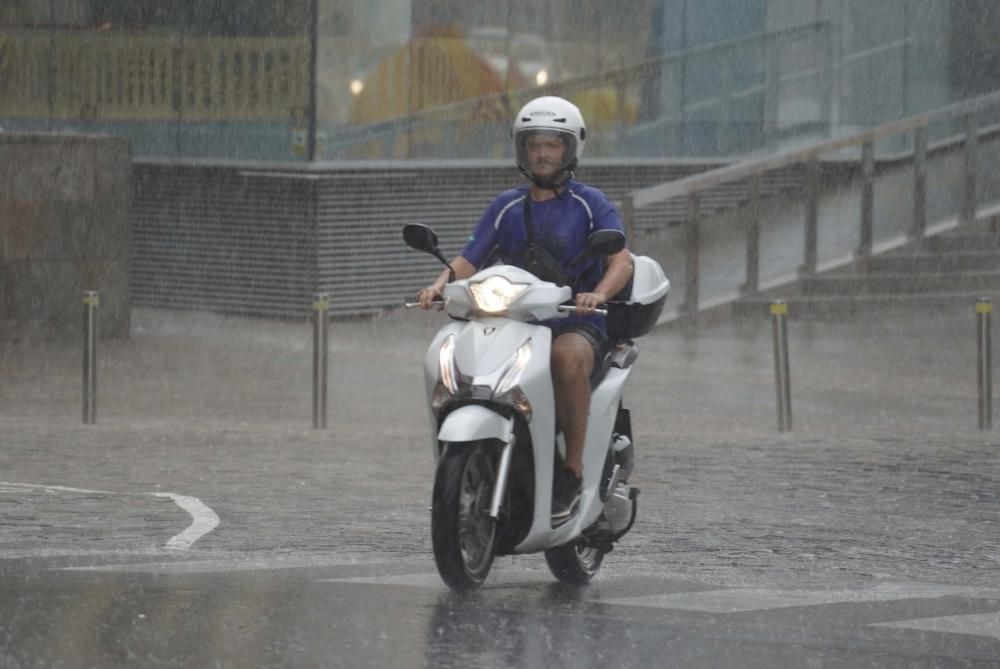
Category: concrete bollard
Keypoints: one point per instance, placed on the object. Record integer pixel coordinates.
(782, 378)
(321, 312)
(91, 300)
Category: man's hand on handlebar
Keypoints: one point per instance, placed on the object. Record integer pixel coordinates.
(429, 297)
(587, 303)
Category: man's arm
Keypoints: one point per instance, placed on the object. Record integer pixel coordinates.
(615, 277)
(463, 270)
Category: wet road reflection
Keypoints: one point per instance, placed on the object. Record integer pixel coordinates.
(361, 616)
(558, 629)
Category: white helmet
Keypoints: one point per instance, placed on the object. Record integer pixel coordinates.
(550, 114)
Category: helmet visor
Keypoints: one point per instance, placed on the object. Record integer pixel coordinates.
(545, 153)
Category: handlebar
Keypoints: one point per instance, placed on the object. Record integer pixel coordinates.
(562, 307)
(572, 308)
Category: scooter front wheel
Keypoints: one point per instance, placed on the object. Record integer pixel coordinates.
(574, 563)
(462, 531)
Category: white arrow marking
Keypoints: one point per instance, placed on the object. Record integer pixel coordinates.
(977, 624)
(204, 519)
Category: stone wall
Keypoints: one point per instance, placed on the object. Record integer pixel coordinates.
(64, 229)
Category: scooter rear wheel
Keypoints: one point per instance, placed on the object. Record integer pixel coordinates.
(462, 531)
(574, 563)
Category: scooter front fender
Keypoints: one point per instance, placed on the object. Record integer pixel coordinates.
(474, 423)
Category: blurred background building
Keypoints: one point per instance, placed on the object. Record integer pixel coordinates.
(298, 80)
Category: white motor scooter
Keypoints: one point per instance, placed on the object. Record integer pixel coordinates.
(495, 439)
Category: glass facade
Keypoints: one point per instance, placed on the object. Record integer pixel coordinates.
(185, 78)
(294, 80)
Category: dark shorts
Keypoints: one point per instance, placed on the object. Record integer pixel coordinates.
(596, 337)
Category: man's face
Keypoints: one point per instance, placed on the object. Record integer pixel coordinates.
(545, 153)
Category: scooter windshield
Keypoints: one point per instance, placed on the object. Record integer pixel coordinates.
(505, 291)
(495, 294)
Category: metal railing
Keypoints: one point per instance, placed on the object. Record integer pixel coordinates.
(721, 98)
(974, 119)
(115, 76)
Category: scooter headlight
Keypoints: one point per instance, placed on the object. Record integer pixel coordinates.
(508, 391)
(446, 364)
(512, 375)
(495, 294)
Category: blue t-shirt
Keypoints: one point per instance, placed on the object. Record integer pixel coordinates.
(561, 225)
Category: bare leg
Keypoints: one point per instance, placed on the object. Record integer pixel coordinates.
(572, 364)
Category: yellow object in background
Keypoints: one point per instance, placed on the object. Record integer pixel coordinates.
(427, 72)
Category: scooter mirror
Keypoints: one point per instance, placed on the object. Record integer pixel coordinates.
(421, 238)
(605, 242)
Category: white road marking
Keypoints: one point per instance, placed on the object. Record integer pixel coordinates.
(431, 580)
(56, 488)
(734, 600)
(977, 624)
(503, 574)
(204, 520)
(226, 565)
(739, 600)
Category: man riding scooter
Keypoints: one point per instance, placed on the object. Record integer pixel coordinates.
(543, 228)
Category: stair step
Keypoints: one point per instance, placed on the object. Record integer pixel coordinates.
(985, 224)
(901, 263)
(845, 306)
(899, 284)
(961, 242)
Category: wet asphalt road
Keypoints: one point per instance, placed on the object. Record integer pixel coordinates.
(865, 538)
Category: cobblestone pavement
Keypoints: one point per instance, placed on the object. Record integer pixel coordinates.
(882, 477)
(865, 537)
(815, 511)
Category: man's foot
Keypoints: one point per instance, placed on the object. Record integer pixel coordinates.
(565, 495)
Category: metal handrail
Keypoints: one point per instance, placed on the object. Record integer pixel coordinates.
(753, 170)
(643, 197)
